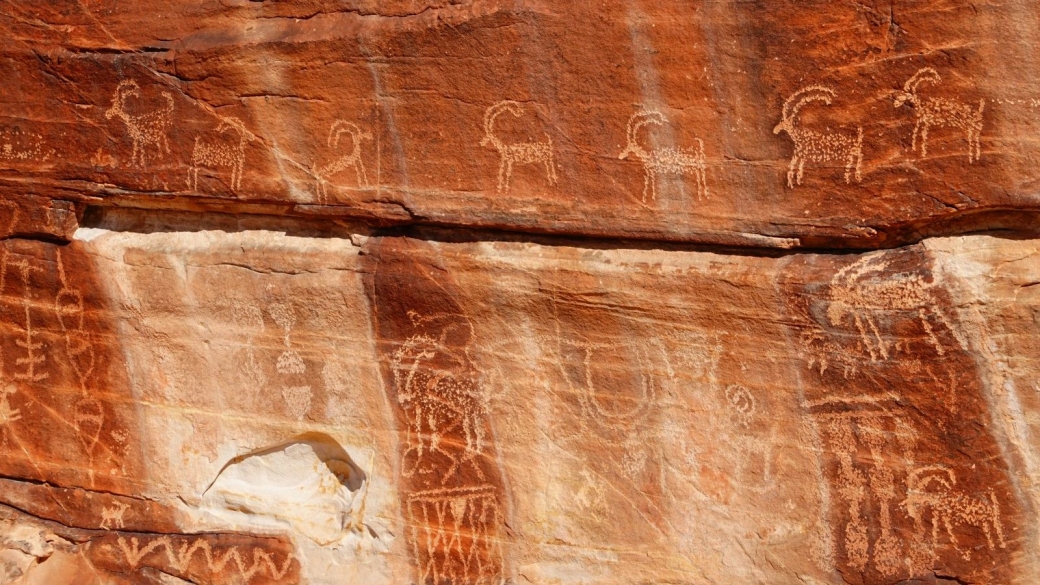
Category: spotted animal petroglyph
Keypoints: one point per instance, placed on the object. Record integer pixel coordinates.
(350, 159)
(439, 404)
(519, 152)
(931, 491)
(866, 289)
(668, 161)
(19, 146)
(145, 129)
(940, 112)
(219, 154)
(816, 146)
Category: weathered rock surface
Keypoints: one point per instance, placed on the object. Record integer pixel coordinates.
(861, 124)
(475, 292)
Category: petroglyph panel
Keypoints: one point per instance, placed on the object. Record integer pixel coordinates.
(344, 114)
(255, 386)
(64, 397)
(896, 389)
(451, 482)
(406, 411)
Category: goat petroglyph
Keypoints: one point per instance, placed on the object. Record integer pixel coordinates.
(867, 289)
(940, 112)
(351, 159)
(439, 404)
(519, 152)
(19, 146)
(145, 129)
(816, 146)
(217, 154)
(667, 161)
(931, 491)
(112, 516)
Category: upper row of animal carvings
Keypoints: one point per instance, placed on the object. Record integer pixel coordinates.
(347, 143)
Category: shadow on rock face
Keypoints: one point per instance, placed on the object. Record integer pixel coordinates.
(310, 483)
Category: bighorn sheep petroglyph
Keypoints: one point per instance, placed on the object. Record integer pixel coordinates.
(149, 128)
(940, 112)
(219, 154)
(814, 146)
(663, 161)
(351, 159)
(518, 153)
(866, 289)
(931, 489)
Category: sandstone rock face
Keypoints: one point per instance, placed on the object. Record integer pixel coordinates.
(488, 293)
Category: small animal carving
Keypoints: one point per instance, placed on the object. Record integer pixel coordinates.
(517, 153)
(218, 154)
(112, 517)
(930, 489)
(147, 129)
(815, 146)
(663, 161)
(351, 159)
(866, 288)
(940, 112)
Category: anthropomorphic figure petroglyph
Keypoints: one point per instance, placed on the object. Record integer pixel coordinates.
(214, 154)
(289, 362)
(862, 291)
(930, 490)
(519, 152)
(815, 146)
(940, 112)
(668, 161)
(145, 129)
(350, 159)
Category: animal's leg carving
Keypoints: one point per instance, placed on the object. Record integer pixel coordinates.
(504, 170)
(924, 139)
(360, 169)
(790, 171)
(923, 315)
(949, 326)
